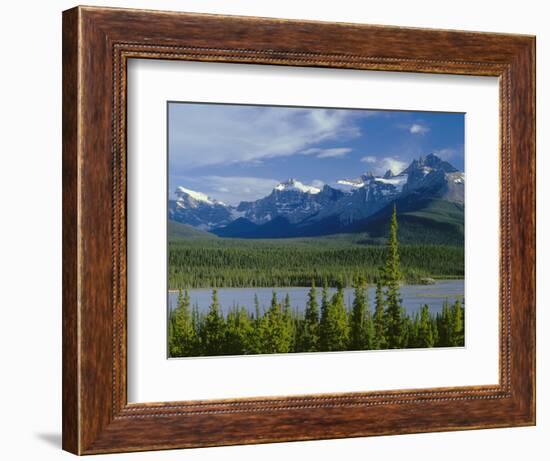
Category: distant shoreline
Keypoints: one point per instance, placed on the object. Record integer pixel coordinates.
(283, 287)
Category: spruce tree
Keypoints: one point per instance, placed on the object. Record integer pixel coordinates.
(288, 323)
(276, 334)
(310, 334)
(426, 338)
(213, 334)
(444, 326)
(414, 331)
(181, 334)
(358, 318)
(274, 302)
(379, 319)
(255, 337)
(435, 331)
(369, 331)
(196, 319)
(245, 328)
(238, 332)
(457, 325)
(173, 349)
(335, 333)
(406, 339)
(325, 305)
(298, 322)
(233, 345)
(392, 276)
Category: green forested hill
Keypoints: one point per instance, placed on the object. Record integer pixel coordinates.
(178, 230)
(428, 221)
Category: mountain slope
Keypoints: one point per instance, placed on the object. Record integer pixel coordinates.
(179, 230)
(428, 220)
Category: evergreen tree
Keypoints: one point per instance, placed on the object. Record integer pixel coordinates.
(276, 334)
(298, 322)
(414, 331)
(335, 331)
(310, 335)
(238, 332)
(406, 328)
(325, 306)
(379, 319)
(288, 323)
(435, 331)
(255, 337)
(369, 329)
(232, 342)
(457, 325)
(196, 319)
(426, 338)
(444, 326)
(181, 334)
(392, 276)
(287, 303)
(274, 303)
(358, 317)
(173, 349)
(213, 333)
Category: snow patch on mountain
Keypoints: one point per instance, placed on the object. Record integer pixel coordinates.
(458, 178)
(369, 180)
(351, 182)
(397, 181)
(197, 196)
(295, 185)
(236, 214)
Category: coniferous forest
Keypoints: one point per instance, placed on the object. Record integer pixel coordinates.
(327, 323)
(236, 263)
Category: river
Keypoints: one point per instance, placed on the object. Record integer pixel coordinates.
(414, 296)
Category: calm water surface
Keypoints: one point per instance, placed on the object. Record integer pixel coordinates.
(414, 296)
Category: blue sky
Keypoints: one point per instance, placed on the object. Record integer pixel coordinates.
(240, 152)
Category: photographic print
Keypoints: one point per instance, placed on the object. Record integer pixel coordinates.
(309, 229)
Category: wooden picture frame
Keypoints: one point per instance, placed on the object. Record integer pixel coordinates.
(97, 43)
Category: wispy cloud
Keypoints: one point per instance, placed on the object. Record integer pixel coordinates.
(332, 152)
(417, 128)
(445, 153)
(202, 135)
(369, 159)
(382, 164)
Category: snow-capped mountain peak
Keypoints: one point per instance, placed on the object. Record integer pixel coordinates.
(295, 185)
(198, 209)
(181, 192)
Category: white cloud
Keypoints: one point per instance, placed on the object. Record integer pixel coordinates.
(318, 183)
(327, 153)
(445, 153)
(383, 164)
(417, 128)
(369, 159)
(393, 164)
(230, 189)
(206, 134)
